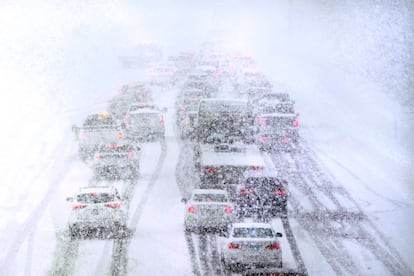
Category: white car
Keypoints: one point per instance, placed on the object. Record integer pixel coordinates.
(208, 209)
(98, 209)
(251, 245)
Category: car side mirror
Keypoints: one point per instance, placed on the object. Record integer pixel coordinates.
(184, 200)
(279, 235)
(69, 199)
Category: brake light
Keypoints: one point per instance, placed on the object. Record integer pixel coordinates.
(262, 121)
(128, 121)
(296, 123)
(273, 246)
(187, 122)
(130, 154)
(255, 169)
(113, 145)
(246, 191)
(113, 205)
(228, 209)
(162, 121)
(120, 135)
(78, 206)
(98, 156)
(264, 139)
(234, 246)
(191, 209)
(210, 170)
(286, 139)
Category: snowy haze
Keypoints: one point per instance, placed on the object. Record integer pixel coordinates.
(348, 65)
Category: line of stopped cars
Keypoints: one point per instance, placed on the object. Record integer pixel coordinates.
(231, 131)
(232, 116)
(110, 144)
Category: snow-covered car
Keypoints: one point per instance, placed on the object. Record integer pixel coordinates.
(251, 245)
(162, 75)
(221, 165)
(97, 129)
(261, 194)
(208, 209)
(116, 161)
(145, 124)
(98, 209)
(188, 101)
(277, 131)
(228, 117)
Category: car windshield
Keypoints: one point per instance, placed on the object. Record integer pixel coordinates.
(209, 198)
(252, 232)
(94, 197)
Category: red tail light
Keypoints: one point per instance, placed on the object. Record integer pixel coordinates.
(113, 205)
(210, 170)
(280, 191)
(246, 191)
(120, 135)
(262, 121)
(286, 139)
(264, 139)
(78, 206)
(255, 169)
(296, 123)
(130, 154)
(191, 209)
(98, 156)
(162, 121)
(228, 209)
(234, 246)
(273, 246)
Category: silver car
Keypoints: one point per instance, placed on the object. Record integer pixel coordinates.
(208, 210)
(251, 245)
(98, 209)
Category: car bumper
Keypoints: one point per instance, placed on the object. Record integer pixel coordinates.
(252, 259)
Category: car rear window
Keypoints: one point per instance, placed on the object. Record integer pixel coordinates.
(209, 198)
(95, 197)
(146, 119)
(252, 232)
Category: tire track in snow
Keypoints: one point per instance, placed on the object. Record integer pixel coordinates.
(321, 224)
(192, 250)
(32, 220)
(119, 265)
